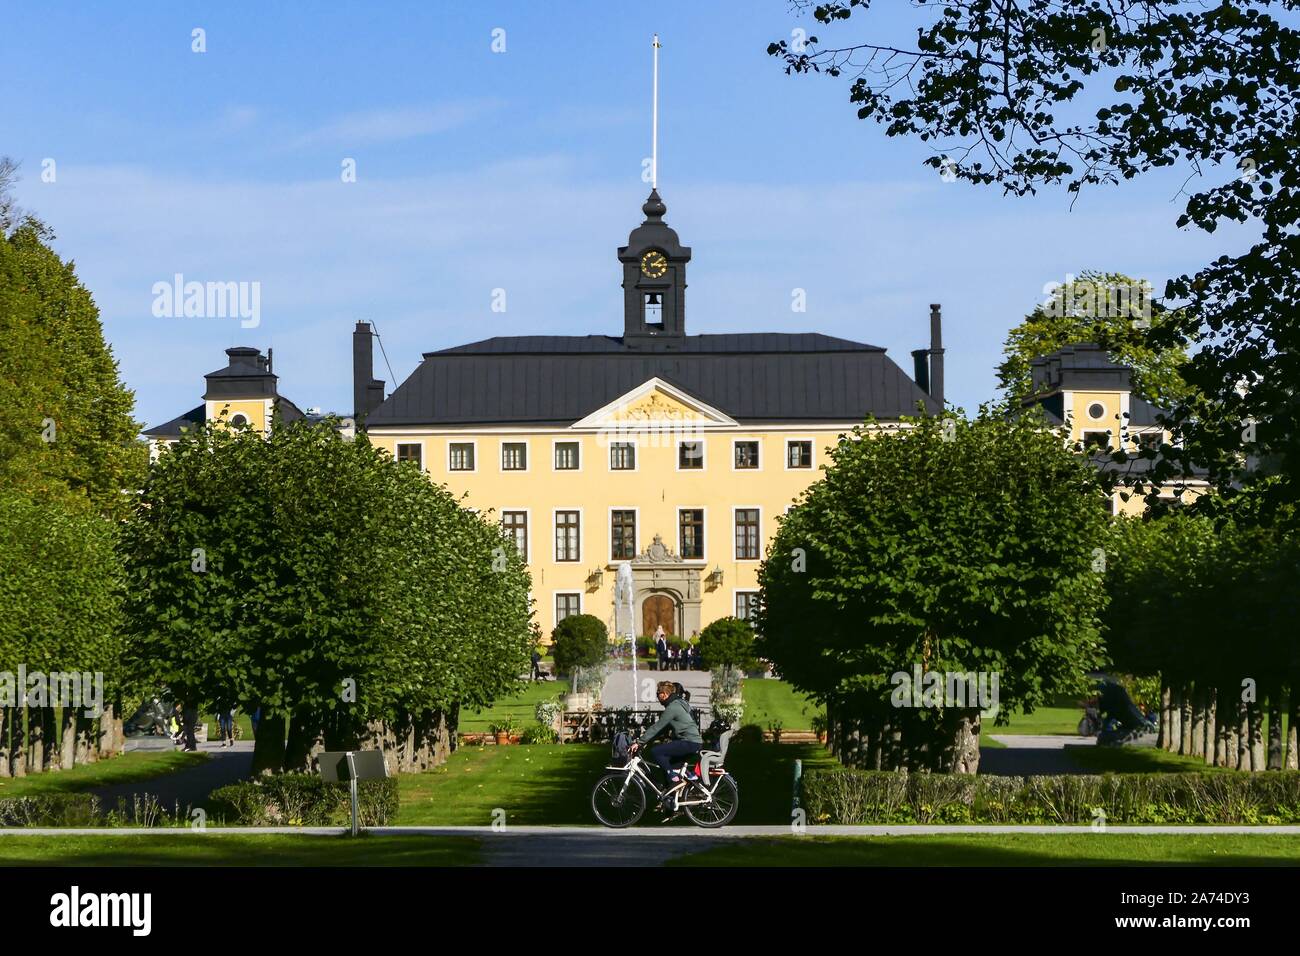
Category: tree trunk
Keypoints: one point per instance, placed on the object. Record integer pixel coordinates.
(1175, 719)
(1243, 737)
(1275, 749)
(963, 750)
(268, 744)
(306, 742)
(18, 743)
(1256, 714)
(68, 743)
(1211, 724)
(87, 750)
(6, 719)
(36, 759)
(1196, 747)
(106, 725)
(1224, 743)
(1185, 729)
(1166, 723)
(1293, 727)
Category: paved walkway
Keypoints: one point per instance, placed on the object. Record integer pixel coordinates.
(618, 689)
(1028, 754)
(185, 788)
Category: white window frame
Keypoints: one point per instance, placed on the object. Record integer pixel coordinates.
(567, 441)
(609, 532)
(424, 458)
(704, 453)
(735, 595)
(555, 551)
(528, 529)
(501, 456)
(473, 443)
(735, 555)
(704, 530)
(748, 441)
(785, 452)
(636, 456)
(555, 610)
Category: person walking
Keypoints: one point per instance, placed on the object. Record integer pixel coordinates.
(226, 724)
(537, 665)
(661, 648)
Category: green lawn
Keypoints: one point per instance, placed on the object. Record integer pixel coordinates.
(768, 700)
(128, 768)
(1045, 720)
(551, 784)
(1138, 760)
(520, 706)
(192, 849)
(1007, 849)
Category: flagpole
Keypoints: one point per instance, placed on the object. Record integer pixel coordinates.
(654, 122)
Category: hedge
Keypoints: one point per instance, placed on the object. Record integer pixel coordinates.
(303, 800)
(875, 796)
(51, 810)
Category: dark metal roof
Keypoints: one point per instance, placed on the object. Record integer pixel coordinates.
(561, 379)
(740, 343)
(173, 428)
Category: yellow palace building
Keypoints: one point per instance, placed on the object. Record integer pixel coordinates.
(673, 452)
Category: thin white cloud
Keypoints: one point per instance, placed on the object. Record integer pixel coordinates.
(393, 125)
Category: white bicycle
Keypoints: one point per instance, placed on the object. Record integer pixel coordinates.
(709, 799)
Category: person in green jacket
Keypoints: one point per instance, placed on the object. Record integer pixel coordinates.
(676, 717)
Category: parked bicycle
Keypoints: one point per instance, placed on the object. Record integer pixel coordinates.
(707, 794)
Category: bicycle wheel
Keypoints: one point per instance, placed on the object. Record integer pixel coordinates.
(615, 805)
(719, 811)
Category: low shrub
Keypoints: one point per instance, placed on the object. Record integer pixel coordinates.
(875, 796)
(303, 800)
(51, 810)
(539, 734)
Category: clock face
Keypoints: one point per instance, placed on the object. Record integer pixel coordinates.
(654, 264)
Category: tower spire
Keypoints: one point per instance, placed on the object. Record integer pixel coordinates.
(654, 120)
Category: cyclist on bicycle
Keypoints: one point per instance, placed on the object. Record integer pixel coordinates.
(676, 717)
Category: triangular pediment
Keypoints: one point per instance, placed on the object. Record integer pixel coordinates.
(655, 403)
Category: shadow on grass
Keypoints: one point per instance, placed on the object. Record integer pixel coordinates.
(134, 767)
(1006, 850)
(238, 850)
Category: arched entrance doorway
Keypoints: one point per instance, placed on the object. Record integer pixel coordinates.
(658, 610)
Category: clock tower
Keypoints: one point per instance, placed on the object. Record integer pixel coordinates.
(654, 282)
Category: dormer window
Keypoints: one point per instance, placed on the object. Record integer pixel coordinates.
(652, 311)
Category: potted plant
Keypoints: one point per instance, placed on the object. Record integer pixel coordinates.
(503, 730)
(819, 727)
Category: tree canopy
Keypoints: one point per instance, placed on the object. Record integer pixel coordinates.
(1078, 93)
(956, 546)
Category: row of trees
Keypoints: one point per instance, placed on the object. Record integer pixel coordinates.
(945, 547)
(69, 462)
(1208, 603)
(351, 600)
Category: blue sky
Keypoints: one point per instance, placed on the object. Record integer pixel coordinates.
(519, 171)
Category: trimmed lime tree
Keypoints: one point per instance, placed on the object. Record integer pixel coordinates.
(580, 640)
(970, 554)
(728, 643)
(313, 577)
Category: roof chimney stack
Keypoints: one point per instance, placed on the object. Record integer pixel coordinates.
(936, 354)
(367, 391)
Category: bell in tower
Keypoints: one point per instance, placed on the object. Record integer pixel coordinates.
(654, 281)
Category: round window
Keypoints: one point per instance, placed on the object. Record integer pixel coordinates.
(238, 420)
(1096, 410)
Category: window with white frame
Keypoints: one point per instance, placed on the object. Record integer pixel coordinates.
(412, 453)
(515, 525)
(567, 456)
(798, 454)
(568, 536)
(746, 455)
(514, 456)
(460, 456)
(690, 532)
(746, 604)
(567, 605)
(747, 543)
(622, 534)
(622, 456)
(690, 455)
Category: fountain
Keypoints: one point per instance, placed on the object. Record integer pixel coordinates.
(624, 612)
